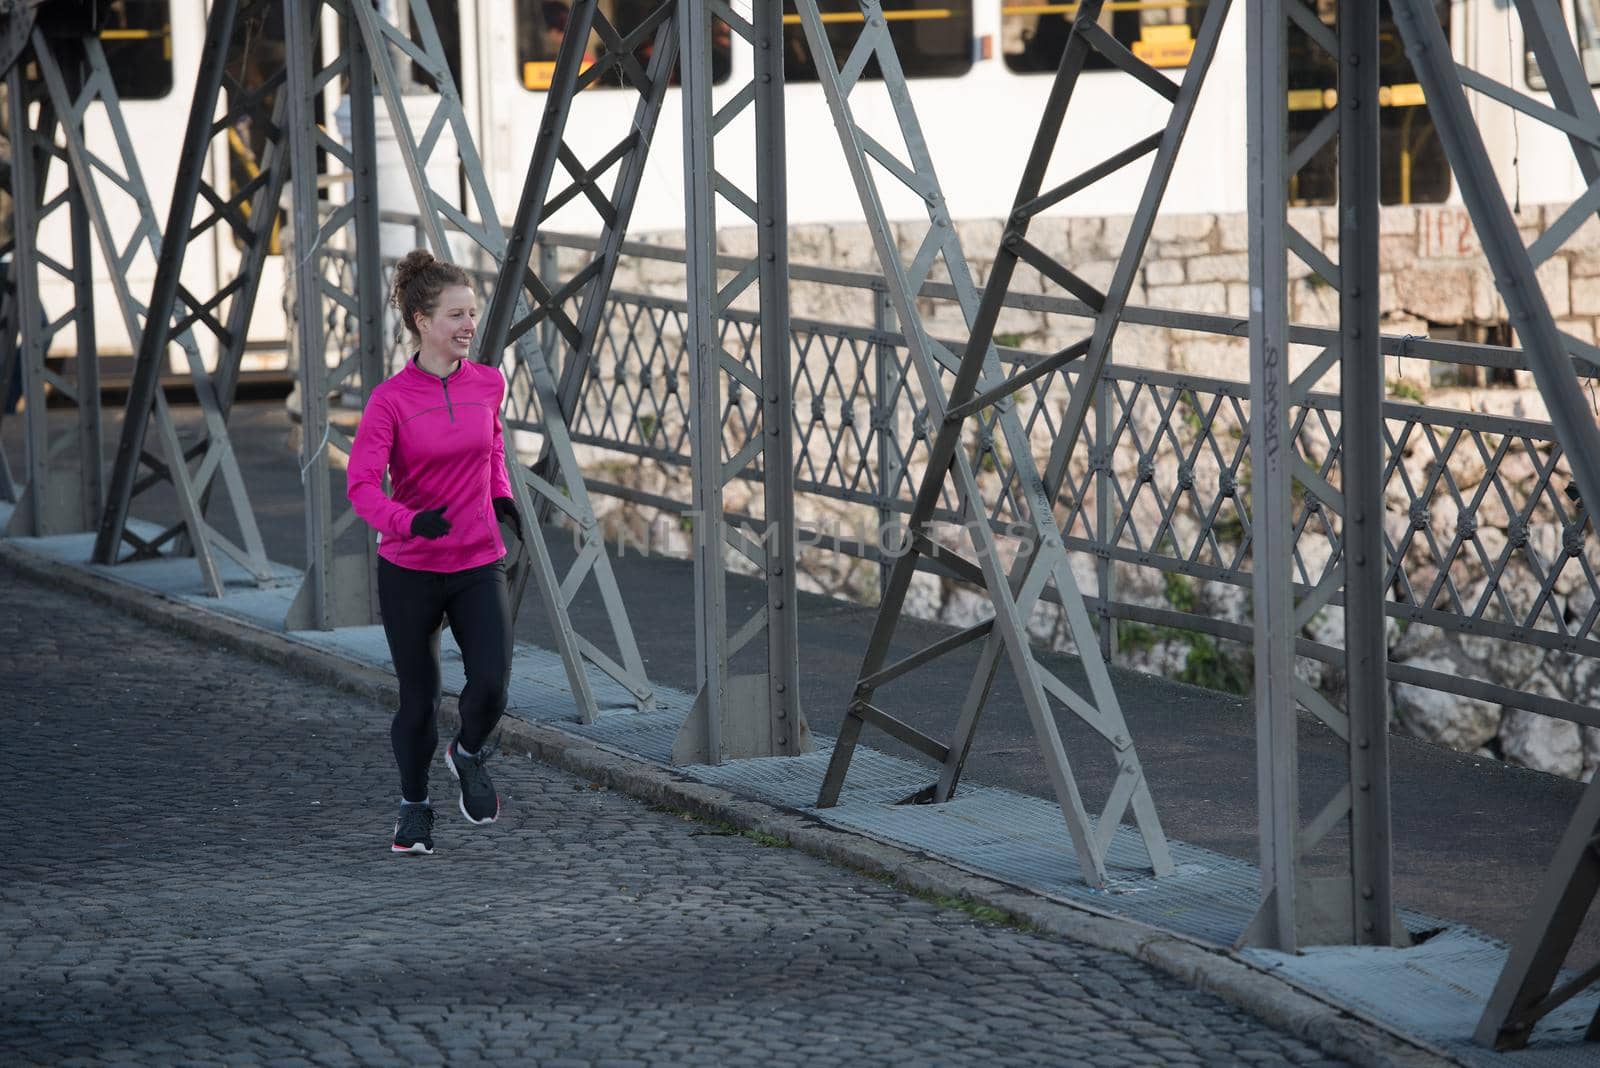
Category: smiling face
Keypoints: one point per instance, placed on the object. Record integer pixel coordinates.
(446, 333)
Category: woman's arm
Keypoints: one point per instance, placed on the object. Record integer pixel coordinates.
(499, 481)
(369, 457)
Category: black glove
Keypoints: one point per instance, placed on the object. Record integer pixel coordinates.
(430, 524)
(505, 509)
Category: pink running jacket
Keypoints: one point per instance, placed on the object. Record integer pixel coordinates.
(441, 440)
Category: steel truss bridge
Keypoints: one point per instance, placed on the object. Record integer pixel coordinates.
(960, 431)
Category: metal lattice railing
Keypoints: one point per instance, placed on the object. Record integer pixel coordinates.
(1486, 542)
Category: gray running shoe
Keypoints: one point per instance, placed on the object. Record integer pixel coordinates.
(479, 803)
(413, 831)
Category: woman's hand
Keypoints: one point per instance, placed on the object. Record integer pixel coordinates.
(505, 509)
(430, 524)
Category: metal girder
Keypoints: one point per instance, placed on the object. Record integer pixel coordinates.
(58, 59)
(16, 28)
(1523, 994)
(1088, 355)
(1372, 911)
(1527, 989)
(10, 354)
(1343, 490)
(548, 303)
(305, 314)
(980, 390)
(26, 179)
(340, 588)
(249, 214)
(481, 223)
(1272, 538)
(888, 383)
(739, 714)
(524, 299)
(13, 40)
(61, 488)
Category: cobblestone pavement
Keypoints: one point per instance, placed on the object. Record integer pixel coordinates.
(201, 874)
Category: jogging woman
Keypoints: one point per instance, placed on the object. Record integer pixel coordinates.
(435, 426)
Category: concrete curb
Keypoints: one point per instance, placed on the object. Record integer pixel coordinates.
(1266, 996)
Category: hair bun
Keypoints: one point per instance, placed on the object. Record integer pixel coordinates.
(411, 265)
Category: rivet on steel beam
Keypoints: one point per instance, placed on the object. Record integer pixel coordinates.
(1367, 925)
(1366, 892)
(777, 604)
(1365, 785)
(783, 713)
(781, 689)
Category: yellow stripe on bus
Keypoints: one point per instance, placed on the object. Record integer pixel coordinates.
(889, 16)
(1114, 5)
(1403, 95)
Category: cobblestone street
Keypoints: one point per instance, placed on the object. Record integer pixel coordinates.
(201, 874)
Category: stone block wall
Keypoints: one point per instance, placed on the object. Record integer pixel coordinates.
(1435, 281)
(1434, 277)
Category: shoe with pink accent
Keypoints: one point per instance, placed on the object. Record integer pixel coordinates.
(413, 831)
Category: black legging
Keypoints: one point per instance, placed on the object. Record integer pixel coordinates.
(415, 605)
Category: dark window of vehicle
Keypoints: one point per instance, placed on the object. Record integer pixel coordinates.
(541, 25)
(1033, 35)
(933, 38)
(137, 37)
(1412, 164)
(1586, 30)
(1585, 24)
(255, 55)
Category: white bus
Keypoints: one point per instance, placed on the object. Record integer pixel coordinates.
(979, 71)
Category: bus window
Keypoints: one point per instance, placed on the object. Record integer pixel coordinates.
(1033, 35)
(137, 37)
(1412, 168)
(933, 38)
(541, 25)
(1586, 28)
(255, 54)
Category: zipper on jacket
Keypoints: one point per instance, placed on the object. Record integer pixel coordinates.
(447, 405)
